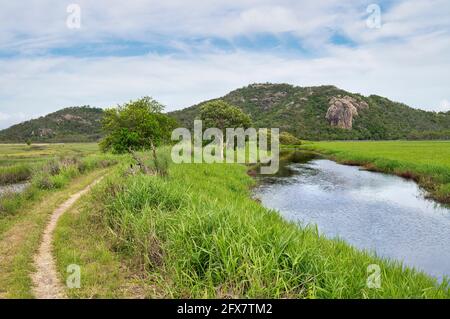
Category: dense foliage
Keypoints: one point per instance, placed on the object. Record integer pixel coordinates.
(289, 139)
(136, 126)
(301, 111)
(222, 115)
(73, 124)
(430, 135)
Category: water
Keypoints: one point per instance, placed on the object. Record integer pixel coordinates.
(13, 188)
(382, 213)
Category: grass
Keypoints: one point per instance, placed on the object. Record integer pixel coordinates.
(20, 236)
(47, 167)
(11, 154)
(15, 173)
(427, 162)
(54, 172)
(197, 234)
(78, 240)
(51, 176)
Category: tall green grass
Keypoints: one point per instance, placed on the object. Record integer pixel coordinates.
(201, 234)
(53, 175)
(15, 173)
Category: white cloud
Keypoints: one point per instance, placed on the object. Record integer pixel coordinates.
(4, 116)
(444, 106)
(7, 119)
(41, 85)
(407, 60)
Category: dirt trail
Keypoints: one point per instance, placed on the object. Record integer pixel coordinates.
(46, 284)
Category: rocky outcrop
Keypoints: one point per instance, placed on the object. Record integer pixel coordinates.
(43, 132)
(342, 110)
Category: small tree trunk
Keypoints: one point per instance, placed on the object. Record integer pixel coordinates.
(155, 158)
(144, 168)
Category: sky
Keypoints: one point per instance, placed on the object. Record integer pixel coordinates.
(55, 54)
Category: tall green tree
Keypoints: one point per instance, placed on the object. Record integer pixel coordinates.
(221, 115)
(136, 125)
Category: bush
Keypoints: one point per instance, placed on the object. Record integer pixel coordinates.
(42, 180)
(52, 168)
(136, 125)
(56, 174)
(289, 139)
(219, 114)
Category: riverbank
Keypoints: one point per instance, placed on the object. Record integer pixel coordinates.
(198, 234)
(369, 210)
(427, 163)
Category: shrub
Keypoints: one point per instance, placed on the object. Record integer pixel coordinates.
(42, 180)
(219, 114)
(289, 139)
(135, 125)
(52, 167)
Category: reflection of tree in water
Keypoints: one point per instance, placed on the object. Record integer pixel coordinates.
(287, 158)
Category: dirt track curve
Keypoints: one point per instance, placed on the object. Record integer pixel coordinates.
(46, 284)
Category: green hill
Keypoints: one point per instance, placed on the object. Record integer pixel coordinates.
(327, 112)
(73, 124)
(315, 113)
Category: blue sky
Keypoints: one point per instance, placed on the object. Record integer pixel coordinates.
(183, 52)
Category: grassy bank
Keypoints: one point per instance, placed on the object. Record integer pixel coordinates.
(427, 162)
(198, 234)
(15, 173)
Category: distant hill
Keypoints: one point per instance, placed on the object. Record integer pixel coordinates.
(72, 124)
(327, 112)
(315, 113)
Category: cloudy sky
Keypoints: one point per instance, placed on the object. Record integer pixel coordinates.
(184, 51)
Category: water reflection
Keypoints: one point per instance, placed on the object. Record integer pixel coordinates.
(13, 188)
(379, 212)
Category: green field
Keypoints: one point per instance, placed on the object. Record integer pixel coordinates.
(11, 154)
(19, 161)
(427, 162)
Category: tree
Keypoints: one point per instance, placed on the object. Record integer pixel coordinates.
(136, 126)
(219, 114)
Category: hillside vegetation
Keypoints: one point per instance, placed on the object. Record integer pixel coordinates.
(312, 113)
(73, 124)
(302, 111)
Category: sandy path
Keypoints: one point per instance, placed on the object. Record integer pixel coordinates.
(46, 284)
